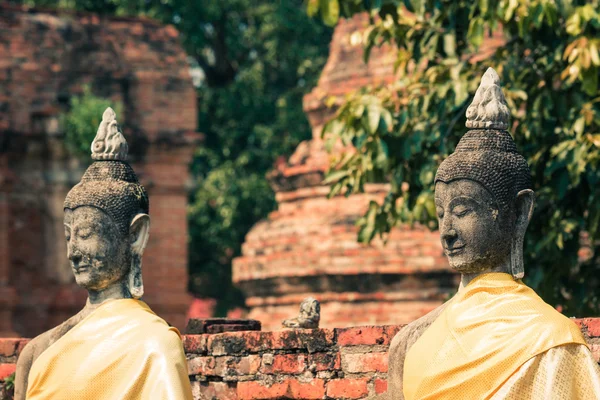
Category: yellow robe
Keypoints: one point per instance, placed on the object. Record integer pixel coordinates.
(122, 350)
(491, 341)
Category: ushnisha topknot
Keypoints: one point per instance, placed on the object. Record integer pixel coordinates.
(109, 143)
(110, 184)
(488, 109)
(488, 155)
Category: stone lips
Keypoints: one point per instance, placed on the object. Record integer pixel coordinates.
(112, 187)
(488, 157)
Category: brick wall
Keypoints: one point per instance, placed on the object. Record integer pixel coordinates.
(339, 363)
(46, 57)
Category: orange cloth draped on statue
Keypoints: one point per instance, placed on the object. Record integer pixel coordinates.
(488, 330)
(122, 350)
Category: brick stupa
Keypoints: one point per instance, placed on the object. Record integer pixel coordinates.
(308, 247)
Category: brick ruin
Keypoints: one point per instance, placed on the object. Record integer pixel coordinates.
(342, 363)
(46, 57)
(309, 245)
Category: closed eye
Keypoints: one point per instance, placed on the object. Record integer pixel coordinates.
(85, 233)
(461, 211)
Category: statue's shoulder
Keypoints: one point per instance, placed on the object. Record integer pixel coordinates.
(409, 334)
(38, 344)
(399, 347)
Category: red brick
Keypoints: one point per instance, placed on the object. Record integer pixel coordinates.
(8, 347)
(593, 326)
(289, 388)
(217, 390)
(195, 344)
(224, 366)
(365, 362)
(380, 386)
(315, 389)
(235, 366)
(347, 388)
(367, 335)
(285, 364)
(325, 361)
(201, 366)
(252, 390)
(6, 370)
(254, 342)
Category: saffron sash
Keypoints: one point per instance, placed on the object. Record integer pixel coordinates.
(486, 332)
(122, 350)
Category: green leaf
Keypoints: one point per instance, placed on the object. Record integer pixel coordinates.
(590, 80)
(330, 10)
(450, 44)
(578, 126)
(374, 115)
(475, 33)
(312, 7)
(335, 176)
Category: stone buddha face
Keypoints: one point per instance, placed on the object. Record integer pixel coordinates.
(98, 252)
(476, 235)
(472, 231)
(100, 255)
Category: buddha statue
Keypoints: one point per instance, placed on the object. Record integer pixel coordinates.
(115, 347)
(495, 338)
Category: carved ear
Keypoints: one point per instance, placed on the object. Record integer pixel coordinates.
(524, 211)
(524, 207)
(139, 230)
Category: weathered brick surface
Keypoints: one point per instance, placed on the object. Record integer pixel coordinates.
(46, 58)
(347, 388)
(349, 363)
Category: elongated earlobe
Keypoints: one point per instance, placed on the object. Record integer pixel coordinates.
(524, 210)
(139, 230)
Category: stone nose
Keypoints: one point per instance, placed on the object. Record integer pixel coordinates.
(73, 254)
(448, 234)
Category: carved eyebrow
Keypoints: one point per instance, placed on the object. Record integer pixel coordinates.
(94, 226)
(462, 199)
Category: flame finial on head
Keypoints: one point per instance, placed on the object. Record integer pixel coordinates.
(488, 109)
(109, 143)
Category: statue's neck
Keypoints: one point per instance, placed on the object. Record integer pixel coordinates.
(504, 266)
(118, 290)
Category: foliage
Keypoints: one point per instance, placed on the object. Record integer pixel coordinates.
(7, 387)
(81, 121)
(549, 66)
(258, 58)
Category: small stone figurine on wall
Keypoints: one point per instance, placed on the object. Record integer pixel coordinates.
(495, 339)
(309, 317)
(115, 347)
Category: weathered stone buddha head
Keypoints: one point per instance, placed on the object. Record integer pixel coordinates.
(483, 190)
(106, 217)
